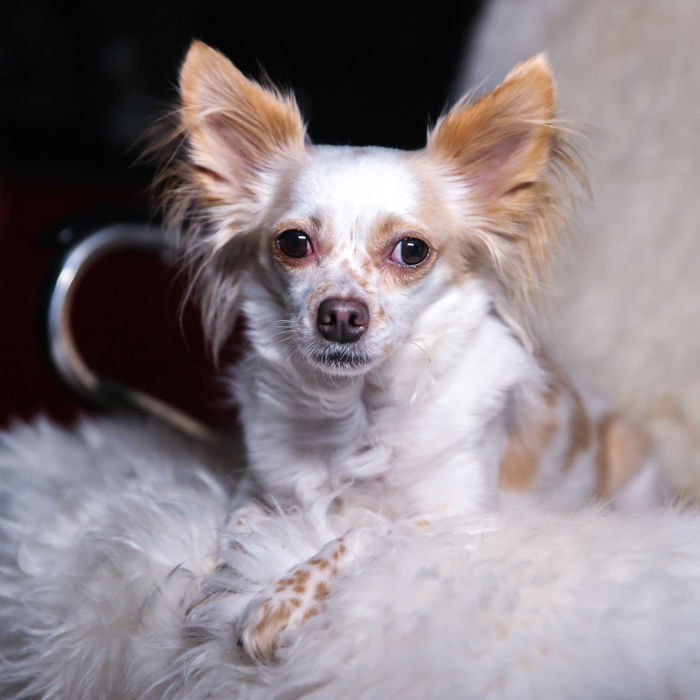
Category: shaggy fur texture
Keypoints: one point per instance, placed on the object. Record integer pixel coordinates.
(110, 532)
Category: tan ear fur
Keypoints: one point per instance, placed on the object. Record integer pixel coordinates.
(518, 176)
(500, 144)
(235, 128)
(224, 149)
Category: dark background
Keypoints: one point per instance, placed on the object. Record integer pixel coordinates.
(81, 84)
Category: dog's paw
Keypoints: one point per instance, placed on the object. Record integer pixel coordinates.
(289, 601)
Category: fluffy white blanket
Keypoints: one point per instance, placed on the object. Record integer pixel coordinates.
(109, 532)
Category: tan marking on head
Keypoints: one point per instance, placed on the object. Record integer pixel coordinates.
(436, 215)
(386, 233)
(623, 450)
(367, 265)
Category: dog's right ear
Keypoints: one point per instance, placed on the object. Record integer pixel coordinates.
(236, 130)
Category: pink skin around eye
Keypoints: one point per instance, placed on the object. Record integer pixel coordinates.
(396, 254)
(309, 249)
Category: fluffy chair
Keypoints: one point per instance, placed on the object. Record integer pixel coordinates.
(111, 531)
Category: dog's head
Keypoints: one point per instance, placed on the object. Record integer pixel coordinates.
(336, 252)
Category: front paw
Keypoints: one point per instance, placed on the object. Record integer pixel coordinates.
(284, 605)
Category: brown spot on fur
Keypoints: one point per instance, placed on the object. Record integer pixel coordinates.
(531, 437)
(302, 576)
(623, 449)
(299, 588)
(295, 603)
(274, 621)
(526, 442)
(322, 590)
(312, 612)
(367, 265)
(580, 431)
(321, 563)
(422, 523)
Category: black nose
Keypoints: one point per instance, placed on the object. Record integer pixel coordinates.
(342, 320)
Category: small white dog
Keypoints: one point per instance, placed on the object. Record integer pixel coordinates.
(390, 367)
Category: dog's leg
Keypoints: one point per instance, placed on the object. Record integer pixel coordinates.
(298, 595)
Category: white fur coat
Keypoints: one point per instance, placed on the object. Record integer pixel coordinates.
(110, 531)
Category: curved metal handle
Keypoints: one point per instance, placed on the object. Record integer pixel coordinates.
(64, 350)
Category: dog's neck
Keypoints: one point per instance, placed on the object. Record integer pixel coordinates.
(311, 434)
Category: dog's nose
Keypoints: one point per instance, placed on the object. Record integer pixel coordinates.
(342, 320)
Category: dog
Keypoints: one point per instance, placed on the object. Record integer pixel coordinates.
(390, 365)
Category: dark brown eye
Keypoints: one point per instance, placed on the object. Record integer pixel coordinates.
(294, 244)
(410, 251)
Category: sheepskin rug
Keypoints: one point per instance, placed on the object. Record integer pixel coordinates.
(110, 531)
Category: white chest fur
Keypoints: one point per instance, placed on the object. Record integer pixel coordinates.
(423, 434)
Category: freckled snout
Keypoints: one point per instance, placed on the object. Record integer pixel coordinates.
(342, 320)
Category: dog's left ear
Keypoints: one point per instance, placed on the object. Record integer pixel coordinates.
(500, 144)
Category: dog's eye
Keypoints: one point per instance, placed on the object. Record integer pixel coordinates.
(410, 251)
(294, 244)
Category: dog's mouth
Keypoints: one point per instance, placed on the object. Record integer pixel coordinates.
(341, 359)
